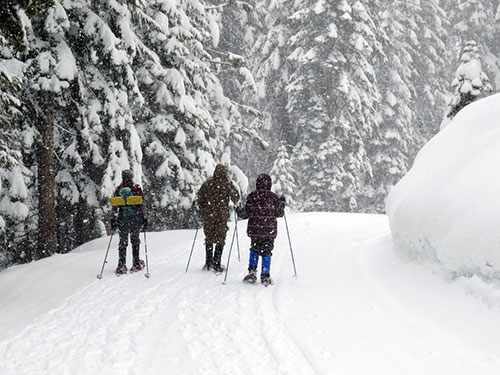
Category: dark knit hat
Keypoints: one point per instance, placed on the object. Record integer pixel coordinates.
(127, 175)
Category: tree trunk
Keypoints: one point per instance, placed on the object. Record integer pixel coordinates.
(47, 236)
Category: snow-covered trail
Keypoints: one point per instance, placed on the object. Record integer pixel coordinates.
(354, 309)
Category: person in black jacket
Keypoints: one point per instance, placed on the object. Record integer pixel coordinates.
(261, 209)
(128, 219)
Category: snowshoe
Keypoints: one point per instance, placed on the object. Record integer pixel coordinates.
(121, 270)
(251, 278)
(266, 281)
(218, 269)
(139, 266)
(205, 268)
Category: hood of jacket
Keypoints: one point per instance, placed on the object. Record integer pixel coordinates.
(264, 182)
(220, 172)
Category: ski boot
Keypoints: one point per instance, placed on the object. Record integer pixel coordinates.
(216, 266)
(209, 249)
(251, 278)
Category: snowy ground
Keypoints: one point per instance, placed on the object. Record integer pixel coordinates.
(354, 309)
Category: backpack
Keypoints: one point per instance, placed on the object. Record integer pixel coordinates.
(126, 192)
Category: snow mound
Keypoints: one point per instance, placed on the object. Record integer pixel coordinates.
(446, 210)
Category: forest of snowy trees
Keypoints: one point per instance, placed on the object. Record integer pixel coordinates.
(332, 98)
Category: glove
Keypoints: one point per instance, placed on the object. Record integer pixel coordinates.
(113, 224)
(144, 223)
(201, 214)
(239, 209)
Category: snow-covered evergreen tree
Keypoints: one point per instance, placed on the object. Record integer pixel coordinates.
(50, 70)
(478, 20)
(13, 190)
(186, 119)
(149, 101)
(470, 82)
(283, 180)
(10, 105)
(271, 69)
(129, 85)
(239, 26)
(26, 54)
(399, 137)
(333, 100)
(97, 136)
(427, 36)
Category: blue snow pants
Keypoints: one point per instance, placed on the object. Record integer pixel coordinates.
(262, 247)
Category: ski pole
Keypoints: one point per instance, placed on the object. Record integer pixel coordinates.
(147, 274)
(236, 230)
(229, 256)
(192, 247)
(105, 257)
(290, 243)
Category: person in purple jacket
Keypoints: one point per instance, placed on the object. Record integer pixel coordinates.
(261, 209)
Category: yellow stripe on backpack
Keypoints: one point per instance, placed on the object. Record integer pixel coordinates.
(117, 201)
(134, 200)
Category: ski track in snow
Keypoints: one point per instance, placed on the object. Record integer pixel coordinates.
(249, 331)
(349, 321)
(99, 324)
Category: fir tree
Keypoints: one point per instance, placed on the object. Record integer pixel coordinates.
(13, 190)
(470, 82)
(333, 101)
(30, 39)
(239, 27)
(186, 120)
(399, 137)
(427, 38)
(11, 24)
(272, 69)
(97, 136)
(49, 70)
(283, 180)
(478, 20)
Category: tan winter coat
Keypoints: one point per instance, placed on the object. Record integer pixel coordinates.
(213, 200)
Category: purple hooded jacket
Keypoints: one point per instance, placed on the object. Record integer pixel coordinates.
(262, 208)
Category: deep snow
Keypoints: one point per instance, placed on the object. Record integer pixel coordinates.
(354, 308)
(446, 210)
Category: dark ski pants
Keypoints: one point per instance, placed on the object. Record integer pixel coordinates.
(128, 227)
(261, 247)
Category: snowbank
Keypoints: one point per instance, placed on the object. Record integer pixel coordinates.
(446, 210)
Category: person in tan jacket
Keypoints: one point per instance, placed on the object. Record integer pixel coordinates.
(213, 200)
